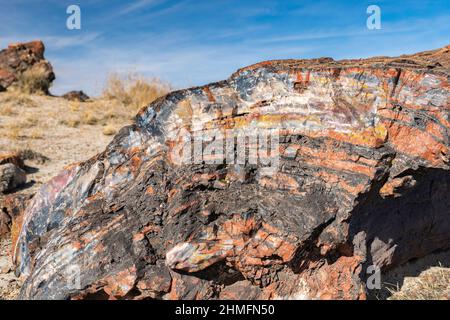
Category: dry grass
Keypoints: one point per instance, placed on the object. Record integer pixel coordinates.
(19, 111)
(29, 121)
(13, 131)
(7, 110)
(117, 107)
(74, 106)
(97, 112)
(35, 121)
(109, 130)
(12, 100)
(71, 122)
(134, 91)
(432, 284)
(33, 81)
(88, 117)
(36, 133)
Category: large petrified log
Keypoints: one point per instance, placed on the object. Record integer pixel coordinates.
(356, 174)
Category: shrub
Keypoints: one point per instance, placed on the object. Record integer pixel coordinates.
(34, 80)
(14, 100)
(109, 130)
(89, 118)
(134, 91)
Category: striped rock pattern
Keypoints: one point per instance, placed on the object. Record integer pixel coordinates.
(359, 177)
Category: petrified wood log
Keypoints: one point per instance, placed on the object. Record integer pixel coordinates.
(358, 176)
(20, 57)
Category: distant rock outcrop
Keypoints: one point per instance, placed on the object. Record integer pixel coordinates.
(293, 179)
(21, 57)
(79, 96)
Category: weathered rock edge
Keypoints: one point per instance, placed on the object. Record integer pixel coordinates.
(363, 179)
(21, 57)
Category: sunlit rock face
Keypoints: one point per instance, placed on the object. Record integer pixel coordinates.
(22, 57)
(290, 180)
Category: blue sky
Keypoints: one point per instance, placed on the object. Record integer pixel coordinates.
(193, 42)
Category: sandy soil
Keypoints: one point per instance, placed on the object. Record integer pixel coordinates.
(63, 131)
(9, 284)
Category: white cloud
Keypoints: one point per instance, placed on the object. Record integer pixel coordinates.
(53, 42)
(136, 5)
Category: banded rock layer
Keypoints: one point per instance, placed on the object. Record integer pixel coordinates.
(358, 152)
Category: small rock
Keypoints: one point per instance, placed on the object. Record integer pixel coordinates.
(5, 269)
(5, 265)
(76, 96)
(11, 208)
(11, 177)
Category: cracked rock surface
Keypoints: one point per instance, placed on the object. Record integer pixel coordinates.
(361, 178)
(21, 57)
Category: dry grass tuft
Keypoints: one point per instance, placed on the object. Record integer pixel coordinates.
(29, 121)
(432, 284)
(88, 118)
(13, 131)
(7, 110)
(109, 130)
(71, 122)
(74, 106)
(14, 99)
(96, 112)
(134, 91)
(33, 81)
(36, 133)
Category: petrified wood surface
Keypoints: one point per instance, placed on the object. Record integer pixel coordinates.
(20, 57)
(363, 178)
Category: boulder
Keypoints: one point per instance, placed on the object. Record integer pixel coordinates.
(11, 177)
(20, 57)
(11, 210)
(293, 179)
(79, 96)
(13, 157)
